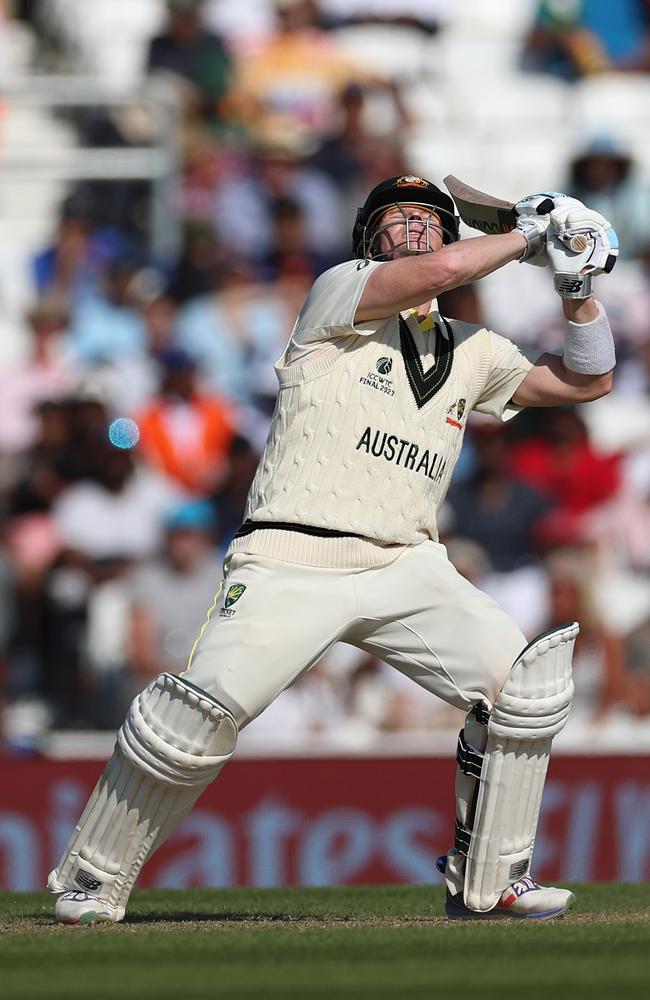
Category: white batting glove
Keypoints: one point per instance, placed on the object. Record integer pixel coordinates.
(581, 243)
(534, 217)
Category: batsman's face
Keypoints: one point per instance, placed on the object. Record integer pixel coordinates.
(406, 229)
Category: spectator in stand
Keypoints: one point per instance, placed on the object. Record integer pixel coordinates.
(64, 451)
(104, 642)
(462, 303)
(349, 148)
(636, 650)
(142, 618)
(34, 548)
(574, 38)
(39, 473)
(160, 315)
(120, 209)
(47, 374)
(241, 325)
(38, 663)
(492, 508)
(560, 462)
(386, 156)
(65, 541)
(129, 381)
(109, 324)
(230, 498)
(49, 594)
(119, 512)
(196, 57)
(342, 153)
(169, 594)
(185, 433)
(66, 267)
(602, 174)
(242, 214)
(72, 266)
(621, 528)
(598, 662)
(71, 589)
(200, 259)
(211, 329)
(634, 381)
(207, 165)
(376, 702)
(88, 415)
(296, 74)
(289, 252)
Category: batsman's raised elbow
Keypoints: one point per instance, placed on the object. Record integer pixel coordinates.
(580, 387)
(444, 271)
(598, 386)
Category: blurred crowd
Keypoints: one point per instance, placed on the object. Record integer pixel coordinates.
(131, 429)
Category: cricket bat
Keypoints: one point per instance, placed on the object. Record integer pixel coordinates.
(494, 215)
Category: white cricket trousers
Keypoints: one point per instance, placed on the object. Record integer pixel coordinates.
(417, 613)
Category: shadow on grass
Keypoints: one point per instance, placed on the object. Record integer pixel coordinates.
(184, 917)
(225, 917)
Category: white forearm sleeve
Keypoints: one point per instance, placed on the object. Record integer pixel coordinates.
(589, 347)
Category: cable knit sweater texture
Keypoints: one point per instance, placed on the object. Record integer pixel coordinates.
(368, 428)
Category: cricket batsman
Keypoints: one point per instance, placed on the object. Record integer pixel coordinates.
(339, 543)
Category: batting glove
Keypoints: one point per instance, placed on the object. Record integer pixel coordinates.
(581, 243)
(534, 217)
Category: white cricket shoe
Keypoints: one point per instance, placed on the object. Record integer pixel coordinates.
(82, 908)
(523, 900)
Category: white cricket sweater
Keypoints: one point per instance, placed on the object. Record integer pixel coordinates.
(368, 426)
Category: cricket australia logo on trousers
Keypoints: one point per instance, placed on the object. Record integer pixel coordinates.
(233, 594)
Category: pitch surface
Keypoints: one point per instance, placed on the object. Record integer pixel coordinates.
(325, 944)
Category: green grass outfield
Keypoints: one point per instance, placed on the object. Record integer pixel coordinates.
(361, 942)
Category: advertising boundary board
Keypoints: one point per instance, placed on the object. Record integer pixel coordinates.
(332, 821)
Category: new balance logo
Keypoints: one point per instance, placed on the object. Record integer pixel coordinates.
(570, 285)
(86, 881)
(518, 869)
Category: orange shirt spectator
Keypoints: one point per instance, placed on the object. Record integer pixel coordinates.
(299, 71)
(185, 433)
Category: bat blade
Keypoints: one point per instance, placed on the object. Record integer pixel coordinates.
(480, 210)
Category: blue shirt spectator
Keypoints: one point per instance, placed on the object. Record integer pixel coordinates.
(110, 324)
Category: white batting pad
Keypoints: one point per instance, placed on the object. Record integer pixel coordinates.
(173, 743)
(498, 821)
